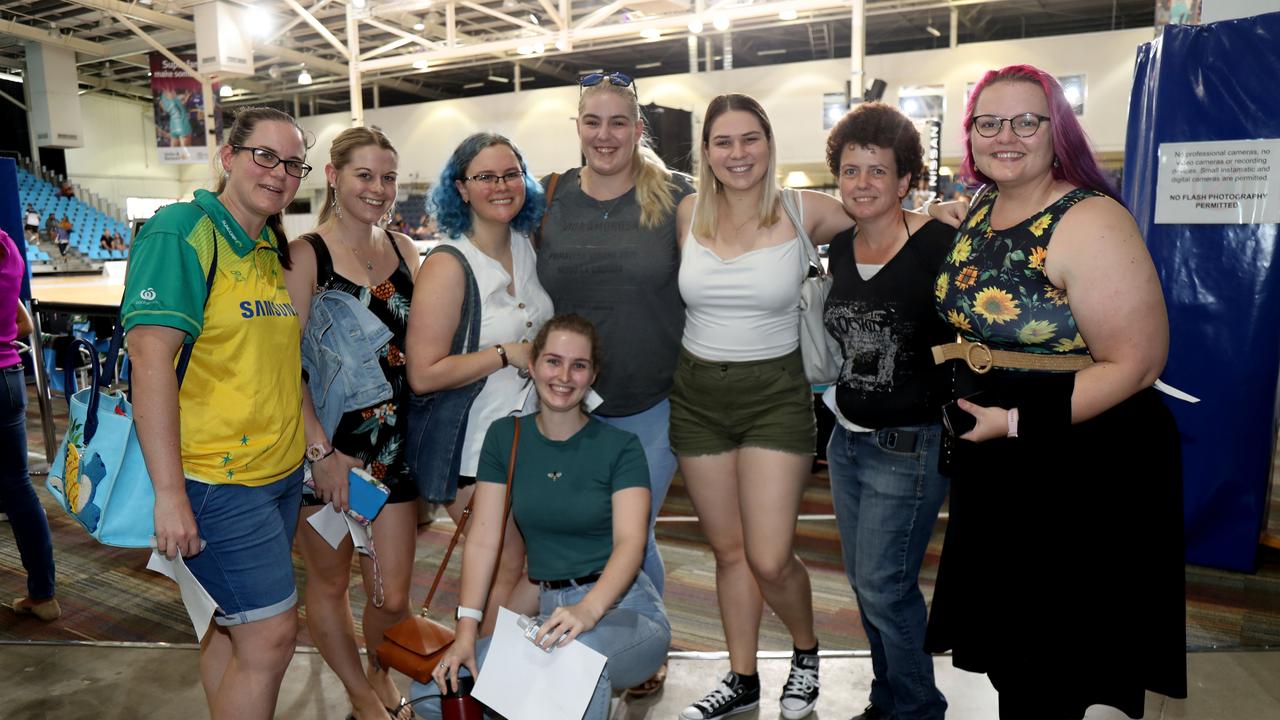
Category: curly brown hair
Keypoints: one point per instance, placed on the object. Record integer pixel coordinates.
(876, 123)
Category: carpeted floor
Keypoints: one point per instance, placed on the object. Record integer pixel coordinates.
(107, 594)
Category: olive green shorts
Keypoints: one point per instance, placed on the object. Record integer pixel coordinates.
(719, 406)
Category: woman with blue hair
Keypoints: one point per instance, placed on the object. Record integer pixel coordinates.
(486, 204)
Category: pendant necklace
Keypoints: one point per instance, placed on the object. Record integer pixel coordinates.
(368, 264)
(611, 206)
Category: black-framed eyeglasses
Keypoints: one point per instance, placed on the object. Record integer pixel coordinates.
(267, 159)
(491, 179)
(614, 78)
(1024, 125)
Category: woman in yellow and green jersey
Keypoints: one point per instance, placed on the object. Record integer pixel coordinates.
(224, 442)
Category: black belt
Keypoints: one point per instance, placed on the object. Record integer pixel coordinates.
(561, 584)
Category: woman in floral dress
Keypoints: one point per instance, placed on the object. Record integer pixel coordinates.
(349, 252)
(1062, 571)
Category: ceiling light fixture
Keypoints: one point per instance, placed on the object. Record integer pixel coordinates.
(420, 64)
(472, 86)
(359, 4)
(695, 26)
(649, 65)
(932, 30)
(304, 77)
(772, 51)
(788, 14)
(498, 79)
(419, 26)
(226, 91)
(721, 22)
(651, 33)
(260, 21)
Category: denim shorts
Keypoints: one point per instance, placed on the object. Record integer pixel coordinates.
(720, 406)
(247, 562)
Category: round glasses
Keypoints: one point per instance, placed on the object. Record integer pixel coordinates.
(267, 159)
(1024, 125)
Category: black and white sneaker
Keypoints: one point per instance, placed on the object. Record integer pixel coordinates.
(730, 697)
(800, 693)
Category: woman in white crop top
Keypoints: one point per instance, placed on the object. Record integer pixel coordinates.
(742, 420)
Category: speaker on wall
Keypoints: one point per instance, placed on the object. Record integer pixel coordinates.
(876, 91)
(671, 134)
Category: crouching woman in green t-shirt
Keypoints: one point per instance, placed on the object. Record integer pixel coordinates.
(580, 497)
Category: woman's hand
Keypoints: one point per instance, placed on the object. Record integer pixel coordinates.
(330, 479)
(951, 212)
(461, 653)
(993, 422)
(567, 623)
(176, 530)
(517, 355)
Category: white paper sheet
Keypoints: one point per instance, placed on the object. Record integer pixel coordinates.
(200, 604)
(333, 526)
(521, 682)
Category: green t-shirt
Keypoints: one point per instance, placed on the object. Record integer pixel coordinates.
(562, 497)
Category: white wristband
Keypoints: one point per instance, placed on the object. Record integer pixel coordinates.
(1013, 423)
(466, 612)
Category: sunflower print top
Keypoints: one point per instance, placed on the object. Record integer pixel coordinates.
(992, 287)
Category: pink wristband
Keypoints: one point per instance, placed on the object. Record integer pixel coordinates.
(1013, 423)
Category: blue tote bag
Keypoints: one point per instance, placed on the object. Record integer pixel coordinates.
(99, 475)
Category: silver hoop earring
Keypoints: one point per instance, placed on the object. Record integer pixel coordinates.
(337, 209)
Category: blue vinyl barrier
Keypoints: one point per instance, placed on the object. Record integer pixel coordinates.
(1221, 282)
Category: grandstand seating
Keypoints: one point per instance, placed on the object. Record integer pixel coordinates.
(88, 222)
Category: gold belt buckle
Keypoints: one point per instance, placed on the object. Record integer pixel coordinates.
(986, 364)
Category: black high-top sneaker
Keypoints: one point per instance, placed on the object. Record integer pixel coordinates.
(800, 693)
(734, 694)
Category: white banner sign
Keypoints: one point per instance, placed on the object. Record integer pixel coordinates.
(1232, 182)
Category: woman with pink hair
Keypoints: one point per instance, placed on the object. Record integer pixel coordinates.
(1062, 571)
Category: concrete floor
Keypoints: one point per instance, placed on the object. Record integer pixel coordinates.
(69, 682)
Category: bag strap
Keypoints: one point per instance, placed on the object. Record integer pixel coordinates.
(809, 260)
(466, 339)
(552, 181)
(108, 375)
(466, 514)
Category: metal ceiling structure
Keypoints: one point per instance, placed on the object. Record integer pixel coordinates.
(402, 51)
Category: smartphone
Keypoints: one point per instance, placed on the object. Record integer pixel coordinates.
(956, 420)
(365, 495)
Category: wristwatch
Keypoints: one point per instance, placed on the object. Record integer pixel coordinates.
(318, 451)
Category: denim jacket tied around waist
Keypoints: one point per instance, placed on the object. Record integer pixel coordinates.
(340, 347)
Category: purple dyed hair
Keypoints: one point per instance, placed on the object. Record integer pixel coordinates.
(1076, 161)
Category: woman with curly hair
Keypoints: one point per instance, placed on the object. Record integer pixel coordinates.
(883, 453)
(486, 204)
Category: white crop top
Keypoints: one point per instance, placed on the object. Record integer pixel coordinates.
(747, 308)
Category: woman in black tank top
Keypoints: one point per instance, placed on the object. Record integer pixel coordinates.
(348, 252)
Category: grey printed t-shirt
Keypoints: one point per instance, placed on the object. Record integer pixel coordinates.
(595, 259)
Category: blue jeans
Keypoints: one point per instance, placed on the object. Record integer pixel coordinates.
(17, 497)
(887, 491)
(634, 635)
(247, 565)
(651, 426)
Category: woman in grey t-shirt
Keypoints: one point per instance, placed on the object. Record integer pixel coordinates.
(607, 250)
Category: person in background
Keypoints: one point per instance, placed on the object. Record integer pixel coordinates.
(622, 204)
(349, 253)
(883, 451)
(51, 228)
(224, 450)
(31, 221)
(18, 499)
(104, 242)
(64, 234)
(487, 205)
(1066, 511)
(584, 526)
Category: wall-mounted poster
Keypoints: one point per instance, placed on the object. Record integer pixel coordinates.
(179, 111)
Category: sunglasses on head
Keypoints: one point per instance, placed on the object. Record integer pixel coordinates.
(614, 78)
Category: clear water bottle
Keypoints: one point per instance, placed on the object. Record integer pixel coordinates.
(530, 626)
